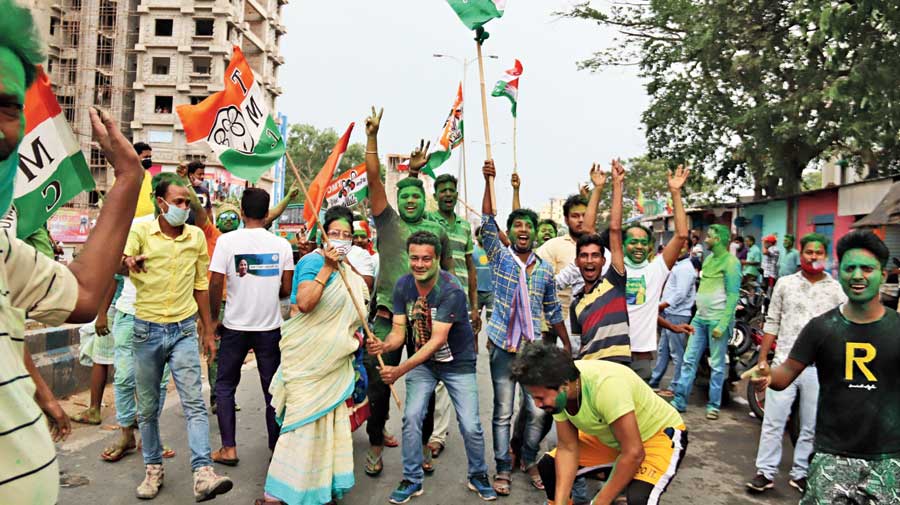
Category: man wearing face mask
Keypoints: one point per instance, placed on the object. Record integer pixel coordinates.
(259, 267)
(168, 262)
(607, 419)
(855, 350)
(796, 299)
(646, 278)
(34, 286)
(195, 171)
(393, 228)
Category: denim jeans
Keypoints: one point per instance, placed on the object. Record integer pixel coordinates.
(718, 352)
(671, 348)
(155, 345)
(504, 400)
(378, 392)
(778, 408)
(123, 380)
(463, 391)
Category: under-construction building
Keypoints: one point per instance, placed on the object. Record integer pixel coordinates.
(139, 59)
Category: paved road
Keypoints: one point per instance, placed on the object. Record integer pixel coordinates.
(719, 460)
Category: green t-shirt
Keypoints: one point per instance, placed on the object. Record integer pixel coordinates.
(719, 276)
(754, 255)
(609, 391)
(459, 233)
(392, 234)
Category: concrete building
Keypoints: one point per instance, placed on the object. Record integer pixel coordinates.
(398, 168)
(139, 59)
(554, 210)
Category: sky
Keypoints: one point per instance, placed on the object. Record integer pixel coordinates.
(343, 57)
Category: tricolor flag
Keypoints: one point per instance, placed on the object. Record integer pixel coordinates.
(52, 168)
(451, 136)
(510, 88)
(317, 187)
(475, 13)
(349, 188)
(236, 123)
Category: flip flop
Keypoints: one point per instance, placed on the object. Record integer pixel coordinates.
(436, 448)
(390, 441)
(499, 486)
(427, 465)
(374, 464)
(114, 453)
(217, 458)
(84, 417)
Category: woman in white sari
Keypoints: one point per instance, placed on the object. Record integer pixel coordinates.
(313, 461)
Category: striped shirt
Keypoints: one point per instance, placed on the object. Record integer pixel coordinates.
(505, 276)
(460, 234)
(31, 285)
(600, 315)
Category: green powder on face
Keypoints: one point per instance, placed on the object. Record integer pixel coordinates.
(860, 266)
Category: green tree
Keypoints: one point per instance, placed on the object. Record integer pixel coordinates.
(309, 147)
(759, 90)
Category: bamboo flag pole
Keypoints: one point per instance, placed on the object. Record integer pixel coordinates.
(484, 117)
(468, 208)
(359, 309)
(515, 158)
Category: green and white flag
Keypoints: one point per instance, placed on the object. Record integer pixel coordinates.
(510, 88)
(475, 13)
(451, 136)
(52, 168)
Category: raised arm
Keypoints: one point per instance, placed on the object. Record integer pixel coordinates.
(102, 253)
(673, 248)
(377, 197)
(489, 173)
(276, 211)
(516, 183)
(598, 177)
(418, 158)
(617, 253)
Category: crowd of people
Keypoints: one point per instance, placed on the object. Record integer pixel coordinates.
(572, 322)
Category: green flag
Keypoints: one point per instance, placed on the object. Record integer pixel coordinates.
(475, 13)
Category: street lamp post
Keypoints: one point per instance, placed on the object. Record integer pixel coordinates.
(462, 170)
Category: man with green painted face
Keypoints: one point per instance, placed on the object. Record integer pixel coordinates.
(855, 351)
(547, 229)
(717, 297)
(791, 261)
(49, 292)
(459, 232)
(645, 278)
(393, 228)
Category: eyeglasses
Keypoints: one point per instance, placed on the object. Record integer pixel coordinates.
(340, 235)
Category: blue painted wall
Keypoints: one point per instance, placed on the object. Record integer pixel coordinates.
(765, 219)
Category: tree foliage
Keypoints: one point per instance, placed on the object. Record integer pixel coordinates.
(761, 89)
(309, 147)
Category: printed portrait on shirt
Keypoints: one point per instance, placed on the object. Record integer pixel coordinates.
(259, 265)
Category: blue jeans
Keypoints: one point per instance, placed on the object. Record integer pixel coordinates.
(778, 408)
(463, 391)
(671, 347)
(696, 346)
(175, 344)
(504, 399)
(123, 380)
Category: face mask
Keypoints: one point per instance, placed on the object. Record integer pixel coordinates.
(813, 267)
(146, 163)
(176, 216)
(341, 246)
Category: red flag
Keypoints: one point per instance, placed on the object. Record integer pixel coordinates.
(317, 187)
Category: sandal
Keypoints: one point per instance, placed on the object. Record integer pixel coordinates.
(665, 393)
(436, 448)
(374, 464)
(218, 458)
(535, 477)
(114, 453)
(427, 464)
(87, 416)
(502, 483)
(390, 441)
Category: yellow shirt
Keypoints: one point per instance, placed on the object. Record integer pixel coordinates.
(175, 269)
(560, 252)
(31, 285)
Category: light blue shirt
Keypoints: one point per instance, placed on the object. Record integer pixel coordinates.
(681, 289)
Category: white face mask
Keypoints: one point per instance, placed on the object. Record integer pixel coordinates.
(176, 216)
(341, 246)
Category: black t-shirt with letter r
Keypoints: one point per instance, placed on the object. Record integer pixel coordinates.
(859, 383)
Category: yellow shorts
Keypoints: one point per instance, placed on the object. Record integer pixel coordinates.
(662, 455)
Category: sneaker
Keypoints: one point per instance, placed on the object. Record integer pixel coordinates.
(207, 485)
(712, 414)
(153, 480)
(481, 485)
(405, 491)
(760, 483)
(799, 485)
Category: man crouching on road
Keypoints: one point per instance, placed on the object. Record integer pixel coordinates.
(606, 417)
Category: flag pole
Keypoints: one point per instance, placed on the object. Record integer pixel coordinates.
(359, 309)
(484, 118)
(515, 158)
(465, 183)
